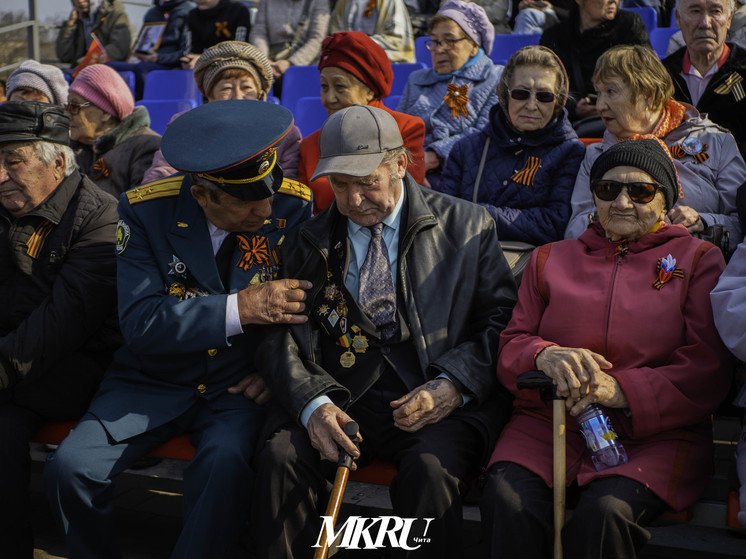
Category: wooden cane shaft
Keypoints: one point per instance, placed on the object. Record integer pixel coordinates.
(560, 474)
(332, 509)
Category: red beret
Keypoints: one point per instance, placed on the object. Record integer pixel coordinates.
(358, 54)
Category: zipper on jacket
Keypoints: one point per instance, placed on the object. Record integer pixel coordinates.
(314, 293)
(617, 264)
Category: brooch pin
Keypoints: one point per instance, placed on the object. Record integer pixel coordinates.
(457, 99)
(666, 269)
(693, 147)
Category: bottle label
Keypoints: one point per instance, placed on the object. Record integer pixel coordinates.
(598, 433)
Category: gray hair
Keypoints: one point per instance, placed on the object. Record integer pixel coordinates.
(731, 3)
(48, 152)
(213, 191)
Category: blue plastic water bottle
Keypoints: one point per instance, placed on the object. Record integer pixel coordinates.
(602, 440)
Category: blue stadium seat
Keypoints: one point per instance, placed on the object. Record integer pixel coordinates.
(171, 84)
(659, 39)
(129, 79)
(401, 75)
(310, 115)
(649, 16)
(421, 53)
(299, 81)
(162, 110)
(392, 101)
(506, 45)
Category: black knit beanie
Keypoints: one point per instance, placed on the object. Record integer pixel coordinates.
(647, 154)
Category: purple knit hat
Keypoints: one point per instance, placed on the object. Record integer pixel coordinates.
(106, 89)
(473, 20)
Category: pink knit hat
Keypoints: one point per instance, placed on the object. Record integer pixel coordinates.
(106, 89)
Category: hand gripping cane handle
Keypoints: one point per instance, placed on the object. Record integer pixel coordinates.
(538, 379)
(340, 482)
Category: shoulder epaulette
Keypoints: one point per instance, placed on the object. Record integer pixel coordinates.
(170, 186)
(295, 188)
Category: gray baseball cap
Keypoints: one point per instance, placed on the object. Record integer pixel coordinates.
(355, 140)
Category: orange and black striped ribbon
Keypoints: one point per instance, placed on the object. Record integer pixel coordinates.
(101, 169)
(369, 7)
(664, 277)
(733, 83)
(678, 153)
(36, 241)
(254, 251)
(526, 175)
(222, 27)
(457, 99)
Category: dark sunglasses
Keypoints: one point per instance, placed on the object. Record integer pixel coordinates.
(541, 96)
(638, 192)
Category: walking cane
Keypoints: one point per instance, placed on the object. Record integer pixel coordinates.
(340, 482)
(537, 379)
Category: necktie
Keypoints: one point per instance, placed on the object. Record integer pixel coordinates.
(376, 295)
(224, 256)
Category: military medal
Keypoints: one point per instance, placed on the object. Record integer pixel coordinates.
(330, 292)
(333, 318)
(692, 146)
(178, 268)
(347, 359)
(324, 310)
(360, 343)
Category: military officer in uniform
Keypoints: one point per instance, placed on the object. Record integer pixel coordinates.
(197, 262)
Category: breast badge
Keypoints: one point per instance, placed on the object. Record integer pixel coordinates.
(123, 236)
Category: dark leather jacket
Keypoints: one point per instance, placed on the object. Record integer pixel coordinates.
(458, 293)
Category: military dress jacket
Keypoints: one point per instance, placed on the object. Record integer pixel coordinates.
(455, 290)
(172, 305)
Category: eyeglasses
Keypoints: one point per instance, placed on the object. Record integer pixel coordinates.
(541, 96)
(448, 44)
(638, 192)
(74, 108)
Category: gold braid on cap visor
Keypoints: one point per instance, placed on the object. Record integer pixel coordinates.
(268, 166)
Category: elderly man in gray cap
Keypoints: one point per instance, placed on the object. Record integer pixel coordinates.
(411, 292)
(58, 326)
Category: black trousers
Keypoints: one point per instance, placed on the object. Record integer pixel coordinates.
(292, 484)
(606, 523)
(17, 427)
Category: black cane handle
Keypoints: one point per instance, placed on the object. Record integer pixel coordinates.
(351, 429)
(538, 380)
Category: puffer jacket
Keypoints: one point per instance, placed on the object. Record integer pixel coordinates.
(527, 178)
(424, 94)
(118, 159)
(112, 27)
(174, 41)
(457, 293)
(709, 187)
(58, 320)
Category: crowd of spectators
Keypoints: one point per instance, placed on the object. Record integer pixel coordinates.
(585, 144)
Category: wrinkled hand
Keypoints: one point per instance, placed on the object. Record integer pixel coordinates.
(584, 108)
(279, 67)
(188, 61)
(147, 57)
(431, 160)
(325, 428)
(253, 387)
(686, 216)
(573, 370)
(426, 404)
(605, 390)
(273, 302)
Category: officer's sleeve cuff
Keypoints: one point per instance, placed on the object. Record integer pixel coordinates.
(317, 402)
(465, 398)
(232, 319)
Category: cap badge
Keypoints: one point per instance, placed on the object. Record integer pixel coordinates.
(666, 270)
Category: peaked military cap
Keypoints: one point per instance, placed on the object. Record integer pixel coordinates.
(22, 121)
(232, 144)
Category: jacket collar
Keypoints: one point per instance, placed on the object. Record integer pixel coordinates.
(128, 127)
(418, 216)
(478, 72)
(595, 239)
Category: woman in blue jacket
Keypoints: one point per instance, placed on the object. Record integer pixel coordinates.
(522, 165)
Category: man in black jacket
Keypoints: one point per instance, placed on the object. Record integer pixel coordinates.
(708, 73)
(58, 327)
(409, 355)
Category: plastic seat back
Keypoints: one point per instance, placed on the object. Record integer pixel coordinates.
(298, 82)
(162, 110)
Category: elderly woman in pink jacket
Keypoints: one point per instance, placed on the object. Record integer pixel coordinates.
(618, 318)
